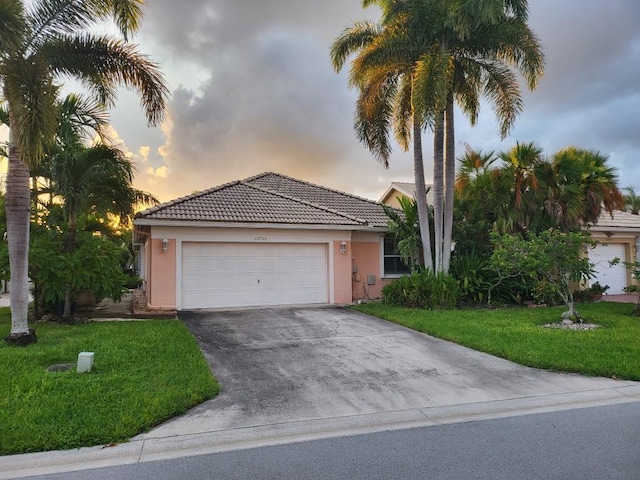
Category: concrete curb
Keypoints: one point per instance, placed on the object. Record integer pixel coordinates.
(161, 448)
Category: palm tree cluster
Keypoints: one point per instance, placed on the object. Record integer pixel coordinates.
(521, 191)
(42, 41)
(415, 64)
(86, 180)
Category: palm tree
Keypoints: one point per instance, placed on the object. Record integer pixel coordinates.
(632, 201)
(592, 180)
(80, 119)
(42, 40)
(93, 180)
(406, 230)
(423, 56)
(488, 50)
(385, 71)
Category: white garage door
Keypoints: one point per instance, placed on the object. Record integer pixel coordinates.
(253, 274)
(614, 276)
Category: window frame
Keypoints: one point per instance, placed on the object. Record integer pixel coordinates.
(384, 255)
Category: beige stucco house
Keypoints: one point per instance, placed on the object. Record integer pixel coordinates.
(265, 240)
(618, 236)
(403, 189)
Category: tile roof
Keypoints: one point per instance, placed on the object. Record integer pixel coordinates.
(620, 220)
(271, 198)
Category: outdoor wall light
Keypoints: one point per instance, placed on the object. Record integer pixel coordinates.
(343, 247)
(165, 245)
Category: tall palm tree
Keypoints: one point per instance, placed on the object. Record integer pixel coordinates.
(386, 72)
(42, 40)
(490, 47)
(423, 56)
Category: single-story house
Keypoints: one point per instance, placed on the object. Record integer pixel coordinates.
(618, 237)
(265, 240)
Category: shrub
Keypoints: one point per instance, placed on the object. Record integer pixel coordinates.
(470, 270)
(424, 289)
(479, 283)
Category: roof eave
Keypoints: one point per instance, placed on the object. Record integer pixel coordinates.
(271, 226)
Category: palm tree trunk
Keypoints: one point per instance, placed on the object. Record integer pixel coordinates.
(18, 210)
(421, 193)
(34, 197)
(438, 182)
(69, 247)
(449, 184)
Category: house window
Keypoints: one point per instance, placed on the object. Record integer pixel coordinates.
(393, 264)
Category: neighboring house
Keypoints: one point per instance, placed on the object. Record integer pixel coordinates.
(618, 237)
(403, 189)
(264, 240)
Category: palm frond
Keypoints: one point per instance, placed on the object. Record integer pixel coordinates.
(103, 63)
(12, 26)
(352, 40)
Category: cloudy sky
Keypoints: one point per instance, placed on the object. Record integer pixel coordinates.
(253, 90)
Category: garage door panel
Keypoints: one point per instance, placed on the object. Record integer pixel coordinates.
(615, 276)
(225, 274)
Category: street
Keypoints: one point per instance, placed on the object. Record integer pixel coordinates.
(580, 444)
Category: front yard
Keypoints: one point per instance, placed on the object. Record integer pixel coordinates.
(145, 372)
(517, 334)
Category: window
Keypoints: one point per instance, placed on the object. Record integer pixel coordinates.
(393, 265)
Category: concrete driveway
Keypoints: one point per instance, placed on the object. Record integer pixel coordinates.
(282, 365)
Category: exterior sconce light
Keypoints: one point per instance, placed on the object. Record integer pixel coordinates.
(343, 247)
(165, 245)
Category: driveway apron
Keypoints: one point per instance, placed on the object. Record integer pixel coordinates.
(279, 365)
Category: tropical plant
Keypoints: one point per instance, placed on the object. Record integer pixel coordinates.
(423, 56)
(384, 72)
(404, 226)
(94, 264)
(592, 183)
(528, 193)
(471, 271)
(93, 180)
(516, 187)
(554, 257)
(40, 41)
(423, 289)
(631, 200)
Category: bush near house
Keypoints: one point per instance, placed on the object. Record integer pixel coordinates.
(423, 289)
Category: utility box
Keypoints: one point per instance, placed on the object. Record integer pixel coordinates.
(85, 362)
(371, 279)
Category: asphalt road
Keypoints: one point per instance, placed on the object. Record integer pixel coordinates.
(582, 444)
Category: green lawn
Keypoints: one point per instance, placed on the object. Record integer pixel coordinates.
(517, 334)
(144, 373)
